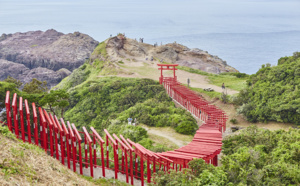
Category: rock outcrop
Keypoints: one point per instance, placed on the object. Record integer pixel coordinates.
(48, 56)
(171, 53)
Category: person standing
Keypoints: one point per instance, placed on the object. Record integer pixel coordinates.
(223, 86)
(129, 120)
(134, 122)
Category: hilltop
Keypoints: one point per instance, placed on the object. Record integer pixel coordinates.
(120, 47)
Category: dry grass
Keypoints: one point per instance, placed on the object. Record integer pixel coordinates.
(25, 164)
(167, 135)
(163, 141)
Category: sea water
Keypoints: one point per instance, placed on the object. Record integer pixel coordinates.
(245, 33)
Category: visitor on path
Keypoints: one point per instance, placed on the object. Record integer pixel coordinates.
(134, 122)
(129, 120)
(223, 86)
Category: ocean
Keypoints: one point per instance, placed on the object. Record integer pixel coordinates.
(245, 33)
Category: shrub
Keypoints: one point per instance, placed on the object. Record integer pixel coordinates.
(186, 128)
(234, 121)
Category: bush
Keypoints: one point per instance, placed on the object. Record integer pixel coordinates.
(186, 128)
(234, 121)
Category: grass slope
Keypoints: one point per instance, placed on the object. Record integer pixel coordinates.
(235, 81)
(26, 164)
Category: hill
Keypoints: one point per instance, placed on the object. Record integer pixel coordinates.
(121, 48)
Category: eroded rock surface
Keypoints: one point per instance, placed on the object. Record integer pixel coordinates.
(48, 56)
(172, 53)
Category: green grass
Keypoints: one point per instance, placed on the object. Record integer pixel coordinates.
(104, 181)
(194, 71)
(212, 94)
(100, 49)
(229, 79)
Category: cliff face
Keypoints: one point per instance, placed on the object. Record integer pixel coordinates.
(171, 53)
(48, 56)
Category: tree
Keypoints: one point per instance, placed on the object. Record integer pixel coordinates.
(35, 87)
(10, 79)
(5, 86)
(56, 99)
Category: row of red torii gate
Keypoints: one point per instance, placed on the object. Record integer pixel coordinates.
(86, 152)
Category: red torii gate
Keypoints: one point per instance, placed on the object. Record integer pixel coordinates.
(166, 67)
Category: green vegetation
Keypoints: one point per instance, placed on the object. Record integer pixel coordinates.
(105, 182)
(231, 81)
(112, 100)
(10, 79)
(56, 99)
(234, 121)
(5, 132)
(192, 70)
(254, 157)
(5, 86)
(35, 87)
(211, 94)
(100, 50)
(273, 93)
(35, 91)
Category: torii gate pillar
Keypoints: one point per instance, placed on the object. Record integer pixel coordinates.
(166, 67)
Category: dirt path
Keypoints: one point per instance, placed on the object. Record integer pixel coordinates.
(178, 139)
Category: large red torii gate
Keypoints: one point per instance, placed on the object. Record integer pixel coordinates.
(167, 67)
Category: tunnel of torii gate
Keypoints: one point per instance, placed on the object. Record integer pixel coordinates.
(116, 156)
(207, 141)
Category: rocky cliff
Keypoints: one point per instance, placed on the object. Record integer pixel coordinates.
(120, 47)
(48, 56)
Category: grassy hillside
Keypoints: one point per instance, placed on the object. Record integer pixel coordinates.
(26, 164)
(273, 93)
